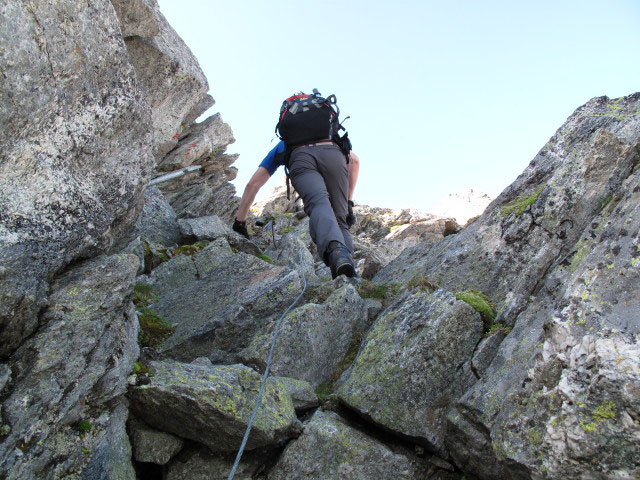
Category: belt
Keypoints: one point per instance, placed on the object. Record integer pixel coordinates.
(323, 142)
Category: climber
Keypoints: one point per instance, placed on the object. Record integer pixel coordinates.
(325, 178)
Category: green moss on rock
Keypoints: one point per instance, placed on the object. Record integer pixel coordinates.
(520, 204)
(153, 329)
(82, 426)
(604, 201)
(498, 327)
(143, 295)
(327, 388)
(578, 257)
(191, 249)
(264, 257)
(369, 289)
(535, 437)
(385, 291)
(140, 368)
(423, 283)
(154, 255)
(589, 426)
(324, 390)
(481, 304)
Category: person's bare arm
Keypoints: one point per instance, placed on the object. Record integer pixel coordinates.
(354, 169)
(250, 191)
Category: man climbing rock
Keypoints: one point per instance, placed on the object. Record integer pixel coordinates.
(322, 170)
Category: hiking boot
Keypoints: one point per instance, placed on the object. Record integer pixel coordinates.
(339, 260)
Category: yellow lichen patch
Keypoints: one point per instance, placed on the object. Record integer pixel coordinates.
(588, 427)
(614, 110)
(535, 437)
(606, 411)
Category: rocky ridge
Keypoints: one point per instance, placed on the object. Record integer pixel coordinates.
(136, 326)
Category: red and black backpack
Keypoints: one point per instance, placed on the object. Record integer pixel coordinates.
(310, 118)
(307, 118)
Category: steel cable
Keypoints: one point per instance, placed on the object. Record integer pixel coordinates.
(264, 380)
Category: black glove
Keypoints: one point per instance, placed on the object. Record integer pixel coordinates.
(351, 218)
(241, 228)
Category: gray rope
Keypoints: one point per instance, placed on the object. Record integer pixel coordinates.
(264, 381)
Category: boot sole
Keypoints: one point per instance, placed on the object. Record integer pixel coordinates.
(345, 269)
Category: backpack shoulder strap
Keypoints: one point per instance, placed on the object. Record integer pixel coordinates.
(285, 157)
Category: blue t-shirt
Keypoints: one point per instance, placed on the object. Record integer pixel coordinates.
(272, 161)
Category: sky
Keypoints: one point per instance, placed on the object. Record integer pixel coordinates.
(443, 96)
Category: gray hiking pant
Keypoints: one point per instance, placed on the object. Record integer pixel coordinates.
(320, 176)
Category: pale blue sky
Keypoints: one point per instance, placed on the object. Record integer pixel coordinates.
(443, 96)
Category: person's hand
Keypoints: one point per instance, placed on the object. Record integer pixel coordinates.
(351, 218)
(241, 228)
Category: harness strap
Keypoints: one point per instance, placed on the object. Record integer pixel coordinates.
(286, 172)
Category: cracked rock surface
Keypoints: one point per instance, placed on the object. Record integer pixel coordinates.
(505, 349)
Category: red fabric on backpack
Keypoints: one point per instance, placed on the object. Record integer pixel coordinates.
(314, 120)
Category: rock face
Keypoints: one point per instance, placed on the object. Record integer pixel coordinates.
(329, 448)
(413, 364)
(208, 191)
(301, 392)
(558, 409)
(176, 90)
(536, 222)
(313, 339)
(170, 76)
(158, 221)
(200, 464)
(153, 446)
(85, 114)
(81, 357)
(212, 405)
(248, 292)
(506, 349)
(112, 455)
(70, 182)
(276, 202)
(571, 219)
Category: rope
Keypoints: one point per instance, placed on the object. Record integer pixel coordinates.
(264, 380)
